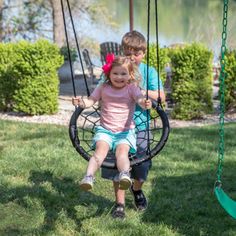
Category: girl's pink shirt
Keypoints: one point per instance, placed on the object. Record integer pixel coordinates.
(117, 106)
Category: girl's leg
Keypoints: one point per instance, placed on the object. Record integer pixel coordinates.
(122, 157)
(98, 157)
(95, 162)
(123, 165)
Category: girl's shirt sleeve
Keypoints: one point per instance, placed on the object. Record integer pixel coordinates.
(135, 91)
(97, 93)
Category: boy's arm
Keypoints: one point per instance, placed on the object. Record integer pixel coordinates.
(153, 94)
(153, 85)
(83, 102)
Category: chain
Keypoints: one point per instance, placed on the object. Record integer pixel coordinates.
(222, 94)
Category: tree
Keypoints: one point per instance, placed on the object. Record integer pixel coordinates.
(33, 19)
(58, 25)
(1, 20)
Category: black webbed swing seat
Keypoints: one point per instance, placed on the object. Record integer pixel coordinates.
(82, 129)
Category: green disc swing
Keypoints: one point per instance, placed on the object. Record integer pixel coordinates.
(225, 201)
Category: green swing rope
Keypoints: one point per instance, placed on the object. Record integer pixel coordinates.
(226, 202)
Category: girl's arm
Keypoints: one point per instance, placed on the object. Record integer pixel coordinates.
(83, 102)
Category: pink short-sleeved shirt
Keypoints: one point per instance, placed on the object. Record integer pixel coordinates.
(117, 106)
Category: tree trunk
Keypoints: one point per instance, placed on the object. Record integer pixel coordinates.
(1, 20)
(58, 25)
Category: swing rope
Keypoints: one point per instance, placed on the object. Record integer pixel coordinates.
(148, 62)
(157, 55)
(68, 48)
(225, 201)
(77, 46)
(147, 111)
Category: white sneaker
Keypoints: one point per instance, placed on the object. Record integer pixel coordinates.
(86, 183)
(124, 180)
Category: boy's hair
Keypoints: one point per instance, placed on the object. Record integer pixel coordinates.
(135, 76)
(134, 41)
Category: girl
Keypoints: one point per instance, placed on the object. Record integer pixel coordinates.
(118, 95)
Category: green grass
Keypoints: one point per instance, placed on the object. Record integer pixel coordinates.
(39, 192)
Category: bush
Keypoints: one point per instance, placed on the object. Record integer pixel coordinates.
(8, 82)
(65, 54)
(191, 81)
(30, 77)
(230, 82)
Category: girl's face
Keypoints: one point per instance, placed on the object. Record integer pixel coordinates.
(119, 76)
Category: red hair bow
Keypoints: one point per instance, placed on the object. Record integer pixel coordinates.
(107, 67)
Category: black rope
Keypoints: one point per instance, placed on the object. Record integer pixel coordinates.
(148, 31)
(148, 112)
(77, 46)
(68, 48)
(157, 54)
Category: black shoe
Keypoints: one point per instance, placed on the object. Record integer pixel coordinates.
(140, 200)
(119, 211)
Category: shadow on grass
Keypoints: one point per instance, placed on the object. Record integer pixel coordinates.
(187, 203)
(64, 195)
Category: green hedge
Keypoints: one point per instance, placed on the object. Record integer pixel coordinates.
(28, 77)
(8, 81)
(230, 80)
(191, 81)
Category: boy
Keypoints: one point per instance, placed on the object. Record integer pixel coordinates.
(134, 44)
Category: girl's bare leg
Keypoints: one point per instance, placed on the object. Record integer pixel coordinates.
(95, 162)
(122, 152)
(123, 165)
(98, 157)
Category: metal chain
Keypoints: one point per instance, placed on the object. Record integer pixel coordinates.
(222, 94)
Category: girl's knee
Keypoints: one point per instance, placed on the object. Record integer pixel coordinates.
(122, 149)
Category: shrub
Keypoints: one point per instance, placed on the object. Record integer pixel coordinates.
(65, 54)
(230, 82)
(31, 77)
(191, 81)
(8, 82)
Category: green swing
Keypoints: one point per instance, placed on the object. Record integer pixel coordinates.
(225, 201)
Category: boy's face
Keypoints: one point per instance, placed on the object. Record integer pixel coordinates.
(137, 55)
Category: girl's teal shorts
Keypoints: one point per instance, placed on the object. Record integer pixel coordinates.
(114, 139)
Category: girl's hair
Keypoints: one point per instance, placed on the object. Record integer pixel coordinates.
(135, 76)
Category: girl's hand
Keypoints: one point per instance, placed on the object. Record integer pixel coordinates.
(147, 103)
(78, 101)
(143, 92)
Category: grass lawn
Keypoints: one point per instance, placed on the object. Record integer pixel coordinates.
(39, 192)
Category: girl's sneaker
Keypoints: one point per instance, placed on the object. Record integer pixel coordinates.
(86, 183)
(124, 180)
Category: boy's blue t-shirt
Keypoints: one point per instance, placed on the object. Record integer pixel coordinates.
(140, 115)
